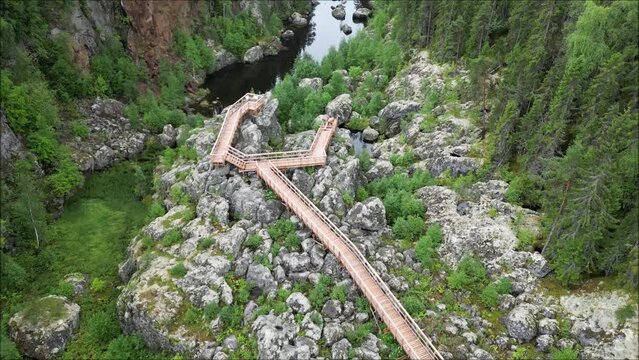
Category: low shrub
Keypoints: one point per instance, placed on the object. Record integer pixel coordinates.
(348, 199)
(405, 159)
(172, 237)
(470, 274)
(490, 295)
(280, 229)
(320, 292)
(408, 228)
(564, 354)
(178, 270)
(192, 316)
(426, 247)
(625, 312)
(97, 285)
(155, 210)
(413, 304)
(205, 243)
(254, 241)
(339, 293)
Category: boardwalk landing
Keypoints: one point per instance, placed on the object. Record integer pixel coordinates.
(267, 166)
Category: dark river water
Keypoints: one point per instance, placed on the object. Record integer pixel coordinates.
(323, 32)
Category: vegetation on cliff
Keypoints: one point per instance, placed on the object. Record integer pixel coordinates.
(556, 84)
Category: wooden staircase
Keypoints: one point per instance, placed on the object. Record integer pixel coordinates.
(268, 167)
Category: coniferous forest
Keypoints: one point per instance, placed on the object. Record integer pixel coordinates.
(561, 123)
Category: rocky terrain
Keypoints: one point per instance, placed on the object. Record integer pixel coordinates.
(215, 269)
(109, 137)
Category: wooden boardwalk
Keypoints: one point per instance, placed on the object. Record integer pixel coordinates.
(268, 167)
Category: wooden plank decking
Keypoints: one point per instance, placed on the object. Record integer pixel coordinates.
(267, 166)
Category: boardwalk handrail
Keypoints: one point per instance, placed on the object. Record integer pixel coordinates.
(235, 107)
(396, 304)
(404, 328)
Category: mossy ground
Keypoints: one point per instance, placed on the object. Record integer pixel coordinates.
(45, 310)
(91, 237)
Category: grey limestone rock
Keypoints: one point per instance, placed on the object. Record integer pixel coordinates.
(45, 336)
(254, 54)
(521, 323)
(340, 108)
(368, 215)
(298, 303)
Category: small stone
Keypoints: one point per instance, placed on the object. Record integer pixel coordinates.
(339, 12)
(298, 303)
(78, 281)
(470, 337)
(332, 309)
(369, 134)
(545, 342)
(548, 326)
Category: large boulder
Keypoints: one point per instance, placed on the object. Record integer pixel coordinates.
(10, 145)
(260, 276)
(231, 242)
(296, 262)
(273, 334)
(339, 12)
(361, 14)
(340, 108)
(339, 350)
(521, 323)
(288, 35)
(346, 29)
(254, 54)
(297, 20)
(298, 303)
(311, 83)
(392, 114)
(272, 47)
(368, 215)
(369, 134)
(43, 329)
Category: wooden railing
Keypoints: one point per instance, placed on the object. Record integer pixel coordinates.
(267, 165)
(302, 211)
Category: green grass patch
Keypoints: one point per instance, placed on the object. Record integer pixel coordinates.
(91, 237)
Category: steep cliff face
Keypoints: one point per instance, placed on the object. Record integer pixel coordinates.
(153, 24)
(91, 22)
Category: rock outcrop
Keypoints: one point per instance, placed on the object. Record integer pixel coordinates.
(392, 114)
(297, 20)
(43, 329)
(340, 108)
(362, 14)
(10, 146)
(254, 54)
(110, 137)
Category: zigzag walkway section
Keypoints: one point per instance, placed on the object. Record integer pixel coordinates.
(268, 167)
